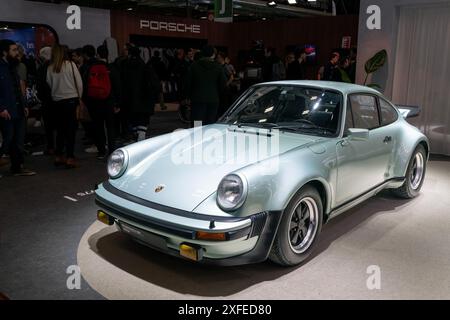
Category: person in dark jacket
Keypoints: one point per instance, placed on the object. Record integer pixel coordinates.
(297, 69)
(269, 61)
(88, 59)
(103, 110)
(122, 119)
(225, 97)
(163, 75)
(140, 89)
(205, 84)
(13, 111)
(331, 70)
(180, 70)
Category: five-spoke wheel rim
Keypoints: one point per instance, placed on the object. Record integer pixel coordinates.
(417, 171)
(303, 225)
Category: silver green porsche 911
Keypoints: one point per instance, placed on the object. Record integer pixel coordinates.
(260, 183)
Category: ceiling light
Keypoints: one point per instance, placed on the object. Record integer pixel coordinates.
(292, 1)
(271, 4)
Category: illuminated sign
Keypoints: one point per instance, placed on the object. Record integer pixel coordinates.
(170, 26)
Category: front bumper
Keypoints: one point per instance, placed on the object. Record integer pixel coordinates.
(248, 239)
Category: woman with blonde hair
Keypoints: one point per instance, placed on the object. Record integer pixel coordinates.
(66, 87)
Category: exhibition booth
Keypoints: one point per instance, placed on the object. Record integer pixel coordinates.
(366, 166)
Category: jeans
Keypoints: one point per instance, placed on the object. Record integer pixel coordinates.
(66, 126)
(13, 141)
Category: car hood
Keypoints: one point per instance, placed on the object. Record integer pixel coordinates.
(185, 170)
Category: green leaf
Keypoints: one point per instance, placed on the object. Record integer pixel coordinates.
(344, 76)
(376, 62)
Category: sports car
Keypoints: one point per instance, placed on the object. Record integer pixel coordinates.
(261, 182)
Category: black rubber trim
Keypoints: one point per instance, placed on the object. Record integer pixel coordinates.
(262, 249)
(182, 213)
(259, 253)
(162, 225)
(367, 192)
(143, 220)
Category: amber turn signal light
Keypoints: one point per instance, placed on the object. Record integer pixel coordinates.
(191, 252)
(210, 236)
(103, 217)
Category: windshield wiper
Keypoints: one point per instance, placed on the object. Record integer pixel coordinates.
(305, 121)
(305, 128)
(264, 125)
(308, 126)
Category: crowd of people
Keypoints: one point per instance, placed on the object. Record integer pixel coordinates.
(114, 102)
(110, 101)
(294, 67)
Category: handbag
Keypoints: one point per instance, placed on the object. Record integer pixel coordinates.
(82, 113)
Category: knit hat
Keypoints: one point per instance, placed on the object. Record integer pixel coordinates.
(45, 53)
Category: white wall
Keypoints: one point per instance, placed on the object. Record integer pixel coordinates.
(95, 23)
(371, 41)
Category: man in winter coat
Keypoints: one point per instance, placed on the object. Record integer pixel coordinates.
(205, 83)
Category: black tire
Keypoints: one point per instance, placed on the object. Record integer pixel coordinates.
(283, 251)
(411, 188)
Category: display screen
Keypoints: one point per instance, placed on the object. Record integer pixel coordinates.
(25, 37)
(311, 54)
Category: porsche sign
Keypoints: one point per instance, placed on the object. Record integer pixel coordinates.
(170, 26)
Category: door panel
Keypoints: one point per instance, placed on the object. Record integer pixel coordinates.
(362, 165)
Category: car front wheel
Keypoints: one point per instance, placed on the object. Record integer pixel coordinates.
(299, 228)
(415, 175)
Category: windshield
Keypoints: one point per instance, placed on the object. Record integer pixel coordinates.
(288, 108)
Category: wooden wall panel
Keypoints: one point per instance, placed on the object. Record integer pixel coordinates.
(324, 32)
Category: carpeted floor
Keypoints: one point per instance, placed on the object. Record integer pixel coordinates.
(407, 241)
(47, 224)
(41, 225)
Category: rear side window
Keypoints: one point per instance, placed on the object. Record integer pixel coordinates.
(388, 114)
(365, 111)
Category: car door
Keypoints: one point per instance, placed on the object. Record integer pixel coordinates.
(362, 164)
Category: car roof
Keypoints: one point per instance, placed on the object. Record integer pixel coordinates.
(346, 88)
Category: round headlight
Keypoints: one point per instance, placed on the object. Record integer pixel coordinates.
(231, 193)
(116, 164)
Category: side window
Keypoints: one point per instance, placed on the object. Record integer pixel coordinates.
(349, 124)
(388, 113)
(365, 112)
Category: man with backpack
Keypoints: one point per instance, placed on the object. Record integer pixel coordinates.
(101, 98)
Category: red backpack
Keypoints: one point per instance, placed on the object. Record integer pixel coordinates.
(99, 82)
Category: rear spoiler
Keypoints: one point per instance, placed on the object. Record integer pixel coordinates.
(409, 111)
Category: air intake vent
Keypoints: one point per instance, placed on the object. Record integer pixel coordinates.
(258, 221)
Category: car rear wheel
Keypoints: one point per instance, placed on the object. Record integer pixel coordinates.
(415, 175)
(299, 228)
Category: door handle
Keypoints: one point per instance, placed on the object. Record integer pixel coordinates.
(387, 139)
